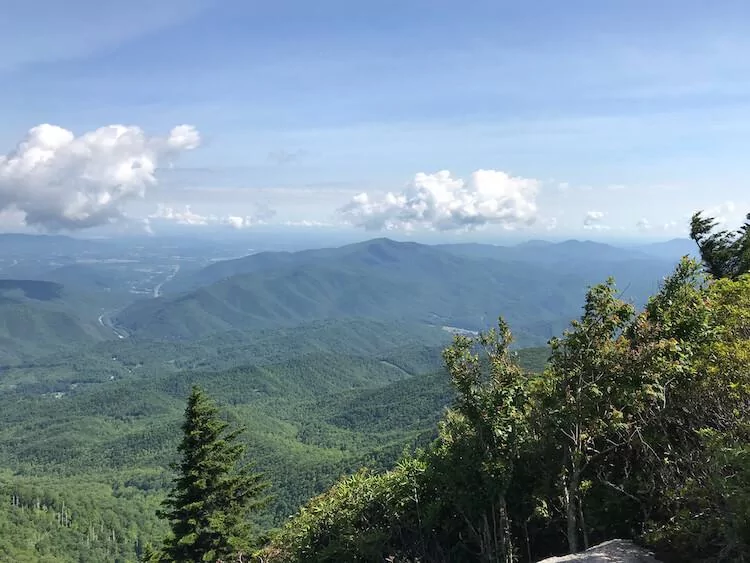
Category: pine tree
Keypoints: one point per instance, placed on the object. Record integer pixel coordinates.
(725, 254)
(214, 493)
(148, 555)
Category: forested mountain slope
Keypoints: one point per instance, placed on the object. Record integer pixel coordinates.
(92, 432)
(38, 317)
(384, 279)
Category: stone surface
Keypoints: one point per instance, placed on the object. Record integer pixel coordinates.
(613, 551)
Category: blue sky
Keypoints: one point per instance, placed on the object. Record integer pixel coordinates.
(615, 118)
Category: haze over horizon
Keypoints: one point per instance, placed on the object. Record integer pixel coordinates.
(416, 120)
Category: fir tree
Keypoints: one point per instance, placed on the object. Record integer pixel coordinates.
(214, 493)
(149, 555)
(725, 254)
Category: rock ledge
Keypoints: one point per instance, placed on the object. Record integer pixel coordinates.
(613, 551)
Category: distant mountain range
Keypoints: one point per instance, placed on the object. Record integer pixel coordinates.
(538, 287)
(671, 249)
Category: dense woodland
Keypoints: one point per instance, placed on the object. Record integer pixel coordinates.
(632, 423)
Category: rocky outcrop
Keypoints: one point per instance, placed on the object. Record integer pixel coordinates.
(613, 551)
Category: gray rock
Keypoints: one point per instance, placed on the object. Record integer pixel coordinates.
(613, 551)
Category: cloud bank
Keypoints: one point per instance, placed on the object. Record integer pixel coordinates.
(441, 202)
(63, 182)
(260, 214)
(184, 217)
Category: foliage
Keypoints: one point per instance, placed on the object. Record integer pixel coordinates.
(591, 401)
(428, 507)
(74, 519)
(212, 496)
(724, 253)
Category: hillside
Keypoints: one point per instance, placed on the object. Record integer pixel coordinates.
(387, 280)
(109, 415)
(38, 316)
(95, 428)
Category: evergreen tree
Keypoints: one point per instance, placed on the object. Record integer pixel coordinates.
(149, 555)
(214, 493)
(725, 254)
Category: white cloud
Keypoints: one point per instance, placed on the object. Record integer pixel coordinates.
(184, 217)
(308, 223)
(188, 217)
(643, 224)
(184, 137)
(723, 214)
(593, 221)
(60, 181)
(441, 202)
(238, 222)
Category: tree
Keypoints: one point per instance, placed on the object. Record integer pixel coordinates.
(725, 254)
(702, 435)
(149, 555)
(590, 397)
(214, 493)
(482, 436)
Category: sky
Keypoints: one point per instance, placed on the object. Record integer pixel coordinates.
(475, 119)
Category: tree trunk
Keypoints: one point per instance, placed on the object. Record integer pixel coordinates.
(571, 496)
(507, 538)
(582, 520)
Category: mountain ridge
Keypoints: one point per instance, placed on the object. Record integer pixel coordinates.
(385, 279)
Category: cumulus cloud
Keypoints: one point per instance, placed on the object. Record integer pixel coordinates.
(60, 181)
(593, 220)
(643, 224)
(441, 202)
